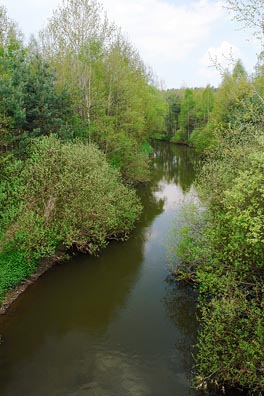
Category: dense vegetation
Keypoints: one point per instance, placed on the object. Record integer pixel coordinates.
(76, 110)
(189, 111)
(57, 201)
(112, 91)
(220, 248)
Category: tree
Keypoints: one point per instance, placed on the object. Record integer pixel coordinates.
(46, 108)
(12, 73)
(250, 13)
(74, 41)
(174, 100)
(109, 84)
(30, 103)
(186, 117)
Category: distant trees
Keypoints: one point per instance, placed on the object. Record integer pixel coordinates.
(174, 99)
(189, 111)
(232, 95)
(200, 116)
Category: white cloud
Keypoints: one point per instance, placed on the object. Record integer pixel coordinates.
(166, 34)
(218, 59)
(158, 28)
(171, 35)
(31, 15)
(163, 31)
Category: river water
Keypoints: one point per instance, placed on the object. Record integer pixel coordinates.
(113, 325)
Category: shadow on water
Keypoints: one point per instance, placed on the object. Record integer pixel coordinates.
(180, 304)
(174, 164)
(109, 326)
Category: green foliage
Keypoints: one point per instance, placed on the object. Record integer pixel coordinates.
(174, 99)
(229, 259)
(186, 116)
(126, 154)
(220, 249)
(83, 80)
(10, 190)
(188, 237)
(234, 103)
(14, 268)
(201, 116)
(179, 137)
(189, 112)
(232, 96)
(12, 71)
(68, 196)
(204, 140)
(30, 105)
(46, 109)
(231, 343)
(110, 87)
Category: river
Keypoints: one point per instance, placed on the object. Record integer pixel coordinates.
(112, 325)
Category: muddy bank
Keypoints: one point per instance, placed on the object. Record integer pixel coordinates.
(13, 294)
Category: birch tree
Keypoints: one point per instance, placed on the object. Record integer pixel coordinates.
(74, 40)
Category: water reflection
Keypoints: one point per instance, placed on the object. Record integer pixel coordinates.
(109, 325)
(180, 304)
(174, 165)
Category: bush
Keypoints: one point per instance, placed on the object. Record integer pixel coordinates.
(232, 340)
(221, 250)
(131, 158)
(69, 195)
(203, 139)
(179, 137)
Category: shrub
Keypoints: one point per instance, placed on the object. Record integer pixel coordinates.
(68, 195)
(221, 250)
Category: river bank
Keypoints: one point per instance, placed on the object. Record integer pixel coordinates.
(168, 140)
(88, 324)
(12, 295)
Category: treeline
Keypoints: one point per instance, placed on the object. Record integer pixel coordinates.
(189, 111)
(195, 114)
(77, 107)
(220, 249)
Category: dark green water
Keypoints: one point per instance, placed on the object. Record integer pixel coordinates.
(109, 326)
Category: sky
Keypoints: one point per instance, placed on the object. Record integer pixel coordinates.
(180, 40)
